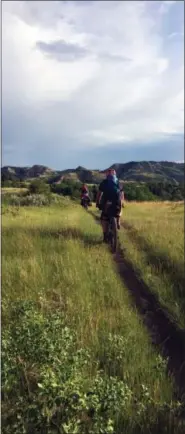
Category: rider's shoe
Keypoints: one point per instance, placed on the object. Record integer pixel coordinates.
(118, 225)
(105, 238)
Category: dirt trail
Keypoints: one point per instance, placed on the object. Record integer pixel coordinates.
(164, 333)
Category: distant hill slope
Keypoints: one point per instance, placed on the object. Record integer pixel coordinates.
(26, 172)
(150, 170)
(133, 171)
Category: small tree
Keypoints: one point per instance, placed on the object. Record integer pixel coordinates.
(39, 187)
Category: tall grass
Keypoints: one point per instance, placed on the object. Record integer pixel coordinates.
(55, 258)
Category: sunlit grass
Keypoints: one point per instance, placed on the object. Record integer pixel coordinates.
(12, 190)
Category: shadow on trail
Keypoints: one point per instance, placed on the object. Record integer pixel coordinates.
(70, 233)
(164, 333)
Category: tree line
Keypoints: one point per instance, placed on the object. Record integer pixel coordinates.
(134, 191)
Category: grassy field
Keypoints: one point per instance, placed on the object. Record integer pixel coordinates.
(13, 190)
(76, 357)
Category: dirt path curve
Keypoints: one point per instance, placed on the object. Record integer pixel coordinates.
(164, 333)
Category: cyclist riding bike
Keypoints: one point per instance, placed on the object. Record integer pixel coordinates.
(84, 194)
(109, 191)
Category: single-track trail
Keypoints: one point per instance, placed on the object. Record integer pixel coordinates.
(164, 332)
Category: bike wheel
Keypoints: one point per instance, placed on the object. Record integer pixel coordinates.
(113, 239)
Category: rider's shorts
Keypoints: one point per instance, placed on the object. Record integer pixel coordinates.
(115, 210)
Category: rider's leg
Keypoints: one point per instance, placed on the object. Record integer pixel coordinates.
(104, 226)
(118, 214)
(118, 222)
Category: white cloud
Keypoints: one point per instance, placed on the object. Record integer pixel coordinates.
(34, 76)
(175, 35)
(123, 89)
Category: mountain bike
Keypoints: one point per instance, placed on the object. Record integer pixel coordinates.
(85, 202)
(112, 228)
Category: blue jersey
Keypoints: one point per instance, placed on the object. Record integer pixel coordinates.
(110, 190)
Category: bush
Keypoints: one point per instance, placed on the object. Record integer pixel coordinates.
(67, 188)
(6, 183)
(73, 189)
(47, 387)
(167, 190)
(134, 191)
(44, 370)
(28, 200)
(39, 187)
(153, 191)
(17, 200)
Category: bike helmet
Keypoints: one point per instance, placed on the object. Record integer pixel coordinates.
(84, 187)
(111, 172)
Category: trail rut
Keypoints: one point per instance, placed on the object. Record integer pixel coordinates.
(164, 333)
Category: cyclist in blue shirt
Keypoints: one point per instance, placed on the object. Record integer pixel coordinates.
(109, 191)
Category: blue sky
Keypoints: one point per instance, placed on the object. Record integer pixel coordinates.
(92, 83)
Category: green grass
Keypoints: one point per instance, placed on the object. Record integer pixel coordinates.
(83, 316)
(155, 245)
(12, 190)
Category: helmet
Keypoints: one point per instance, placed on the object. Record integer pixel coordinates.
(111, 172)
(84, 187)
(111, 176)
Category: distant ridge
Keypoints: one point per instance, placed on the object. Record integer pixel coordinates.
(142, 171)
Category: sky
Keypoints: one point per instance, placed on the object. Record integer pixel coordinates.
(92, 83)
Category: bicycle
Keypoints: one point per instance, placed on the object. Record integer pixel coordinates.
(111, 235)
(85, 202)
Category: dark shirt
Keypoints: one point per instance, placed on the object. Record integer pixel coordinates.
(110, 190)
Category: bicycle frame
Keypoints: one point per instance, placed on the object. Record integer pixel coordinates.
(112, 230)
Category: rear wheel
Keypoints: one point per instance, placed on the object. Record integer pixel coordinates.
(85, 203)
(113, 234)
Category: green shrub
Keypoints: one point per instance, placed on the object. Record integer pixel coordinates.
(47, 387)
(167, 190)
(27, 200)
(134, 191)
(39, 200)
(67, 188)
(39, 187)
(73, 189)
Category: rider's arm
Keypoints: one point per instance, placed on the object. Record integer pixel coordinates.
(122, 198)
(99, 194)
(98, 197)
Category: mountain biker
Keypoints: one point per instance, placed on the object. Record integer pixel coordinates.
(109, 190)
(84, 194)
(84, 189)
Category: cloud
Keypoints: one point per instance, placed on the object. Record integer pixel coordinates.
(65, 52)
(84, 75)
(62, 51)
